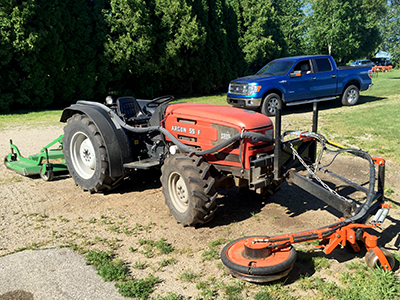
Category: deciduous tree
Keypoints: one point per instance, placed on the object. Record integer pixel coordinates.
(345, 29)
(391, 31)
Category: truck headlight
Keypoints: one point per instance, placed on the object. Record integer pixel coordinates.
(252, 89)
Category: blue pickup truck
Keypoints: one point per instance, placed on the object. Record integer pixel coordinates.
(299, 80)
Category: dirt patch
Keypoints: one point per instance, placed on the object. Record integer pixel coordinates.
(35, 213)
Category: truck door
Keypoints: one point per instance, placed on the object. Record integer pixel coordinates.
(298, 87)
(324, 79)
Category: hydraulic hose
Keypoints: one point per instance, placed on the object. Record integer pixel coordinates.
(183, 147)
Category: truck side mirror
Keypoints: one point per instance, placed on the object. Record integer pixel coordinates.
(295, 74)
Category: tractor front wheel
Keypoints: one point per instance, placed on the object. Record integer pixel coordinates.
(189, 189)
(86, 155)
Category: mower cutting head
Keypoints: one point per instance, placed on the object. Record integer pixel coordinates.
(253, 259)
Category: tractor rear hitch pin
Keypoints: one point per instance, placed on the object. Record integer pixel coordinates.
(377, 216)
(383, 216)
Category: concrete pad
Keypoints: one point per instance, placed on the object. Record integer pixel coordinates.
(52, 274)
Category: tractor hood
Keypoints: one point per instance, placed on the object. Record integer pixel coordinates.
(221, 115)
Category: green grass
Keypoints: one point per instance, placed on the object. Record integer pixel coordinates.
(107, 267)
(371, 126)
(385, 84)
(188, 276)
(137, 288)
(360, 283)
(111, 269)
(161, 245)
(219, 99)
(212, 253)
(31, 119)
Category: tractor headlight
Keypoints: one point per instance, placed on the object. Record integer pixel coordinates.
(270, 133)
(109, 100)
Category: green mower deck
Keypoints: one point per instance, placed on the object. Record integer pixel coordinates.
(45, 163)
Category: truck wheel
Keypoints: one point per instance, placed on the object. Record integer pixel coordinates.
(85, 154)
(189, 189)
(350, 95)
(270, 104)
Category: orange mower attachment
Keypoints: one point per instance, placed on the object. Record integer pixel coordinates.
(263, 259)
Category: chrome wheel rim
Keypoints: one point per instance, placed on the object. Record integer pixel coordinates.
(273, 105)
(352, 96)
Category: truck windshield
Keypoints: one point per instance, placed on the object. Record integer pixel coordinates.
(276, 67)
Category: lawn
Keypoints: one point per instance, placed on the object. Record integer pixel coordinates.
(372, 124)
(385, 84)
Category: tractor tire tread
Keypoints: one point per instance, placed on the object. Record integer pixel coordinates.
(101, 181)
(200, 185)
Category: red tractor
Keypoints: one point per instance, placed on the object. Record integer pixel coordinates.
(199, 148)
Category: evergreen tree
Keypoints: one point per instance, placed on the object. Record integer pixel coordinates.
(129, 47)
(35, 52)
(49, 55)
(180, 36)
(291, 17)
(260, 34)
(77, 74)
(8, 77)
(219, 59)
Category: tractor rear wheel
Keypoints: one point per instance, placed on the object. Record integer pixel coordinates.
(189, 189)
(86, 155)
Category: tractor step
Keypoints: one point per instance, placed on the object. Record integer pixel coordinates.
(143, 164)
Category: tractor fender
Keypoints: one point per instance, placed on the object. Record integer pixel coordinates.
(114, 136)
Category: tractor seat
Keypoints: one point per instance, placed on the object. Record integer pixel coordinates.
(130, 110)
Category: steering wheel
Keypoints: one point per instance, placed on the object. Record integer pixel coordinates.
(160, 100)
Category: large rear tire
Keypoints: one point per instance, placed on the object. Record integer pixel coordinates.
(189, 189)
(86, 155)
